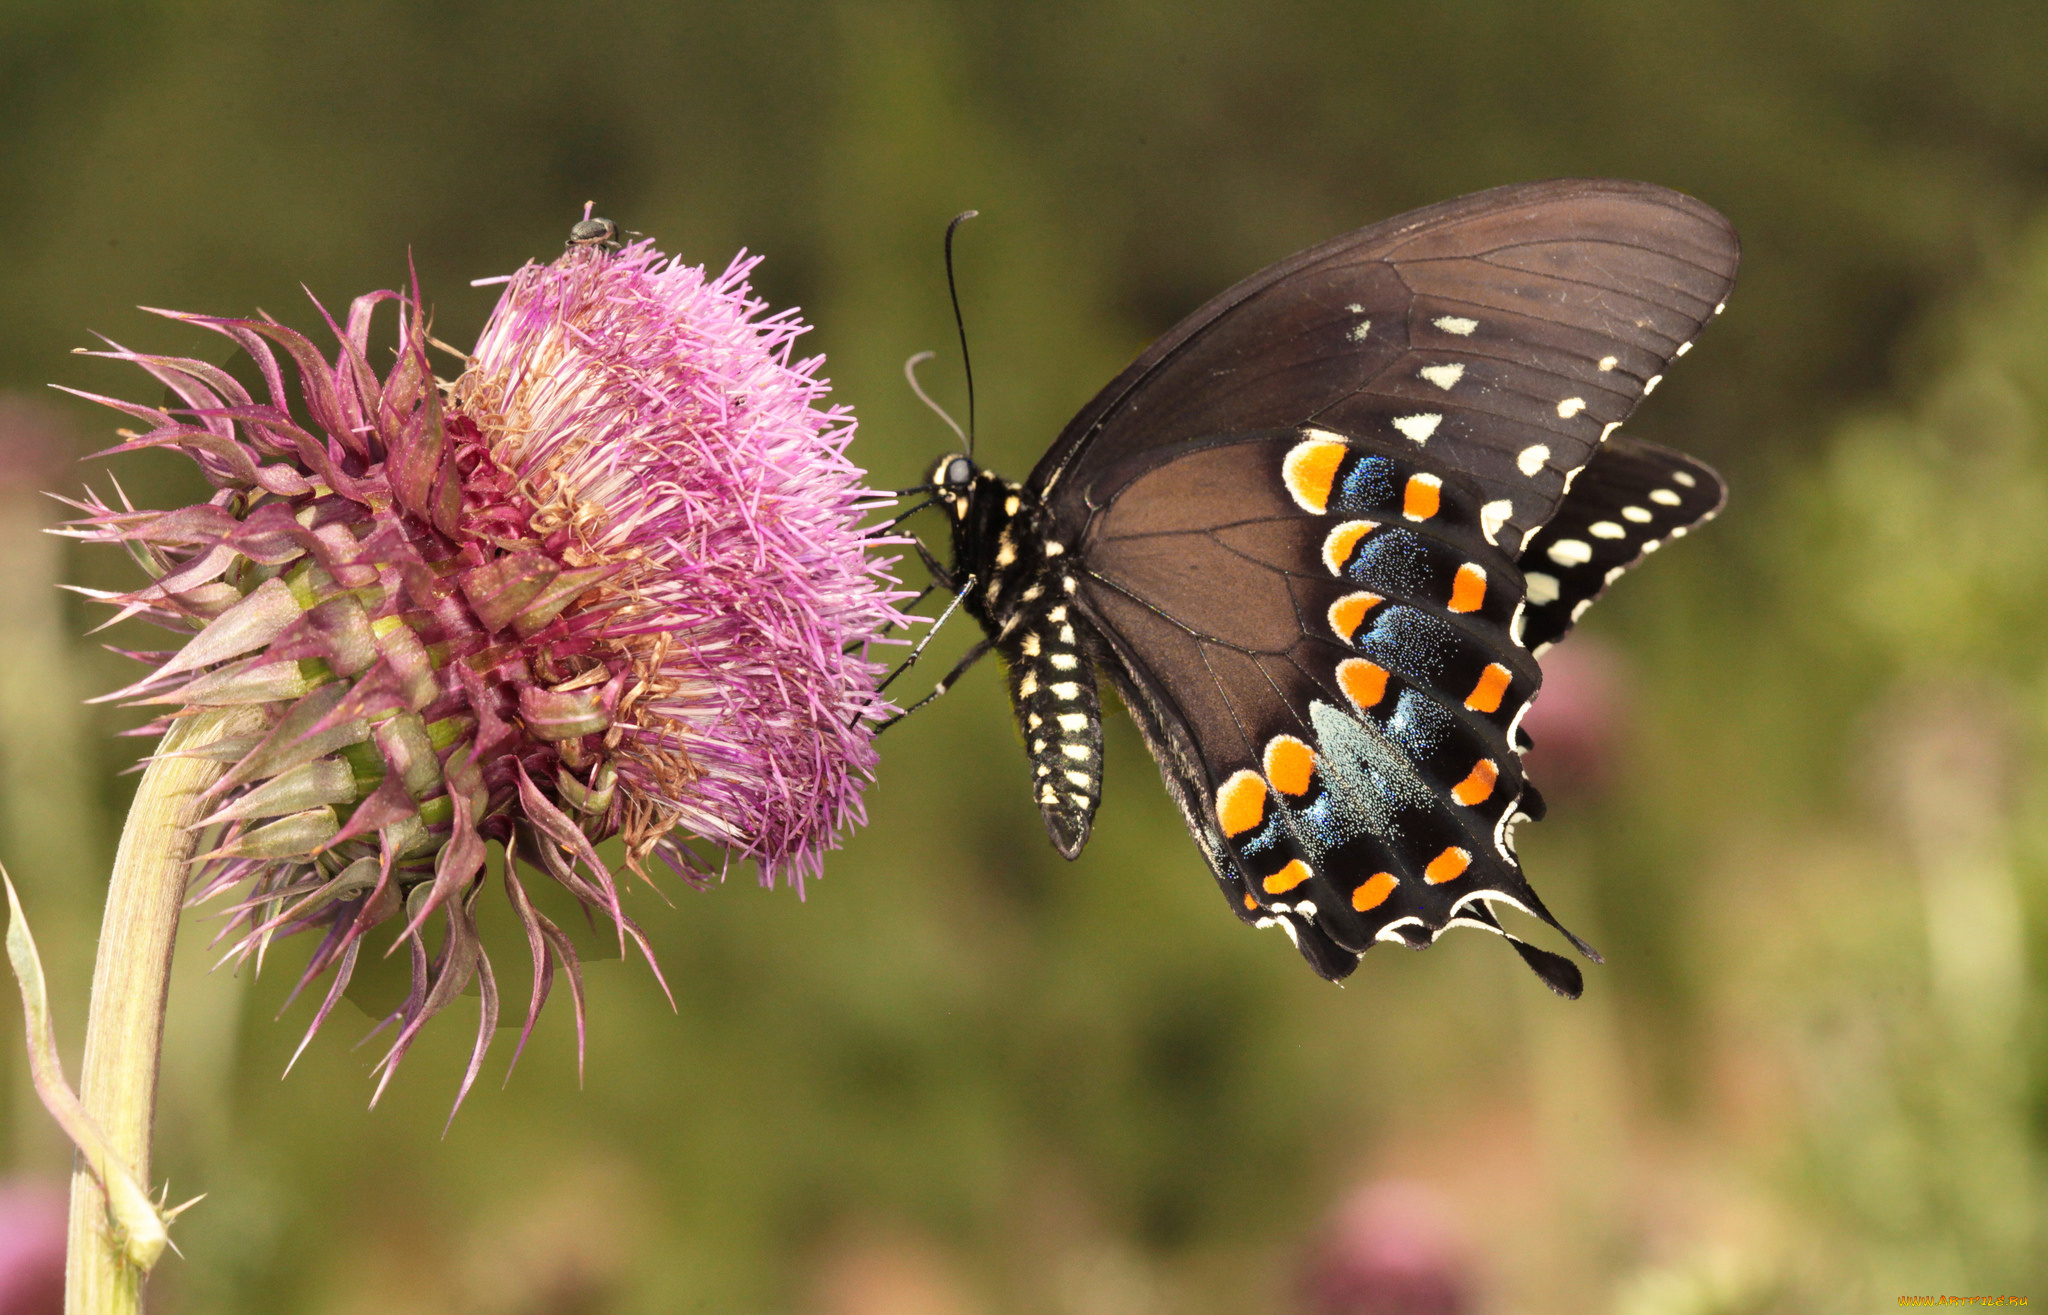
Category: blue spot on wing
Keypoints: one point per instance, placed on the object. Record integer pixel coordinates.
(1372, 485)
(1420, 724)
(1411, 643)
(1394, 561)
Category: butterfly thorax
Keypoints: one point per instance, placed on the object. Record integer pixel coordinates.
(1023, 594)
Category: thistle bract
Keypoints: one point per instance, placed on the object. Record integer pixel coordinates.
(611, 581)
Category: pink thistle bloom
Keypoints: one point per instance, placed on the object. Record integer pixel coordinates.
(611, 581)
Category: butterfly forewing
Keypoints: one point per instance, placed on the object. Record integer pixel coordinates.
(1507, 331)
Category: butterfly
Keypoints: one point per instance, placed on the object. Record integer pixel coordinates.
(1317, 536)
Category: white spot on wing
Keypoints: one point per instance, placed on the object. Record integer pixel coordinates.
(1494, 515)
(1457, 325)
(1683, 477)
(1579, 608)
(1609, 362)
(1418, 427)
(1570, 407)
(1443, 376)
(1532, 458)
(1650, 384)
(1683, 348)
(1664, 497)
(1360, 330)
(1605, 430)
(1571, 552)
(1354, 308)
(1616, 573)
(1598, 529)
(1543, 587)
(1636, 514)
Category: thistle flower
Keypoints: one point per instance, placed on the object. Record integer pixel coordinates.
(612, 580)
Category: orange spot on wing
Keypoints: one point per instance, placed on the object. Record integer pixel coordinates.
(1310, 469)
(1422, 497)
(1337, 548)
(1290, 765)
(1468, 591)
(1287, 878)
(1493, 682)
(1374, 892)
(1348, 613)
(1364, 683)
(1251, 901)
(1241, 803)
(1477, 788)
(1447, 866)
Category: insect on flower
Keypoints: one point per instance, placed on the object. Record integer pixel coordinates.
(613, 580)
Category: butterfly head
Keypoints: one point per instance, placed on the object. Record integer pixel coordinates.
(953, 481)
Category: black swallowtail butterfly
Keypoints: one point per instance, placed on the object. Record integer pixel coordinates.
(1317, 536)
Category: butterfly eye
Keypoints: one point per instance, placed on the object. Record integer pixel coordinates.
(959, 471)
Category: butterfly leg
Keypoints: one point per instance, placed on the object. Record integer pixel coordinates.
(968, 659)
(941, 577)
(918, 652)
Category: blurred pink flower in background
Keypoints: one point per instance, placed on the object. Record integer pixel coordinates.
(32, 1222)
(1390, 1248)
(1580, 719)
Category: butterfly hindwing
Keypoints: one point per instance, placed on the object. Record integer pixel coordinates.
(1325, 628)
(1630, 500)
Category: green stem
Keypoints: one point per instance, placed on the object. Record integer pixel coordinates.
(124, 1033)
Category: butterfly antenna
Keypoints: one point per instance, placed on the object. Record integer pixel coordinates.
(910, 373)
(953, 290)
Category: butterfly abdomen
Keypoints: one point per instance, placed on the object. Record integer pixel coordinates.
(1024, 598)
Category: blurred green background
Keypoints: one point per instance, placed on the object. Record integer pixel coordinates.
(1798, 802)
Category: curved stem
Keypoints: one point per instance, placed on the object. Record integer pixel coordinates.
(131, 976)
